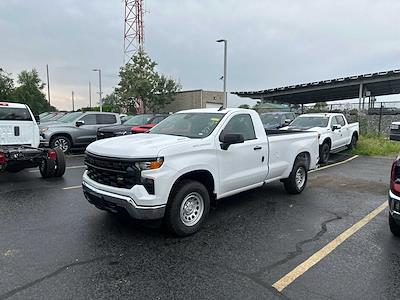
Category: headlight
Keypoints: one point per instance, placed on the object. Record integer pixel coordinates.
(150, 165)
(44, 129)
(121, 132)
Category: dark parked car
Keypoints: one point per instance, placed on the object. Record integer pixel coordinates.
(276, 120)
(394, 198)
(126, 128)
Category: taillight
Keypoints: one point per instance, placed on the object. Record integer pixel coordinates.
(52, 155)
(395, 178)
(2, 158)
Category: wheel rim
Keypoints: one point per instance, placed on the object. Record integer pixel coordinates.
(192, 209)
(61, 144)
(300, 177)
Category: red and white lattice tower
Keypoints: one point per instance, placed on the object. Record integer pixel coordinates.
(133, 28)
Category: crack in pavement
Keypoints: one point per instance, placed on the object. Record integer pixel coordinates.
(254, 279)
(52, 274)
(299, 247)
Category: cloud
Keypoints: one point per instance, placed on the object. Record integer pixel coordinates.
(270, 43)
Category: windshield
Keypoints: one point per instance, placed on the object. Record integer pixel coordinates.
(270, 119)
(138, 120)
(191, 125)
(69, 117)
(309, 122)
(10, 114)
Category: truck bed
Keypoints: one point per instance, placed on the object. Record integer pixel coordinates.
(282, 132)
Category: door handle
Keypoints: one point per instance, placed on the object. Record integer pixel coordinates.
(257, 148)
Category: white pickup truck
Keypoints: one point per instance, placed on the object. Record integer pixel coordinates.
(191, 158)
(19, 141)
(334, 132)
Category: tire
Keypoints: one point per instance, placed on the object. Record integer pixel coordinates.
(324, 152)
(47, 168)
(394, 227)
(297, 180)
(60, 163)
(353, 142)
(187, 208)
(61, 141)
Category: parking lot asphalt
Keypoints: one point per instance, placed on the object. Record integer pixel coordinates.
(55, 245)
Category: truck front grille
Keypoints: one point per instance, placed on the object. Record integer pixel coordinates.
(119, 173)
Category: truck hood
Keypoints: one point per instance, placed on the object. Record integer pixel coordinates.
(142, 145)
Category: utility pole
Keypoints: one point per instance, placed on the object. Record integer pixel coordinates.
(225, 65)
(90, 94)
(48, 83)
(100, 99)
(73, 101)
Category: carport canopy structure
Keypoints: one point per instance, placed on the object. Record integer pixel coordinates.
(360, 86)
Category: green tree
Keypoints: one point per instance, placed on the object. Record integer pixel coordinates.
(246, 106)
(140, 81)
(6, 85)
(30, 92)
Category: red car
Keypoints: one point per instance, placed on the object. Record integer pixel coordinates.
(150, 124)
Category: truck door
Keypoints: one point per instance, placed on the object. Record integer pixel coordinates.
(345, 131)
(336, 134)
(242, 165)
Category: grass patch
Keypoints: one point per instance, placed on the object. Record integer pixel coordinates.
(376, 145)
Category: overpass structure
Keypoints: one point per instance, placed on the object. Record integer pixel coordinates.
(352, 87)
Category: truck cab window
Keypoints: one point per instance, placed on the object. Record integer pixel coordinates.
(340, 120)
(241, 124)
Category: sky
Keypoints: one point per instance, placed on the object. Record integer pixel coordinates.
(270, 43)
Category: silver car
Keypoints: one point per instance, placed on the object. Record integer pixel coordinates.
(75, 130)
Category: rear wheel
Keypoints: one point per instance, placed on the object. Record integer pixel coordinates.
(61, 142)
(47, 168)
(394, 227)
(297, 180)
(60, 163)
(187, 209)
(324, 152)
(353, 142)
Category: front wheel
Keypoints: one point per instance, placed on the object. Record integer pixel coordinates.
(297, 180)
(188, 207)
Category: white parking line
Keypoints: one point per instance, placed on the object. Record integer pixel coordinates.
(72, 187)
(326, 250)
(335, 164)
(71, 167)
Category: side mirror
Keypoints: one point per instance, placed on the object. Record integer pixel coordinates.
(336, 127)
(288, 121)
(230, 139)
(37, 119)
(79, 123)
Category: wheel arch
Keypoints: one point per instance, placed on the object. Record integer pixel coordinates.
(304, 156)
(203, 176)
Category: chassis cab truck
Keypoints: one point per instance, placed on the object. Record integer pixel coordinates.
(193, 157)
(19, 141)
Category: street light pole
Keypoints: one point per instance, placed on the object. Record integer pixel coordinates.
(225, 66)
(90, 94)
(100, 99)
(73, 101)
